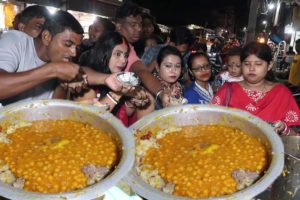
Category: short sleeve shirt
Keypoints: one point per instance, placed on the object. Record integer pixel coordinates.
(132, 58)
(18, 54)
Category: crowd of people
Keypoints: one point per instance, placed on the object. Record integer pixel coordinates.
(45, 57)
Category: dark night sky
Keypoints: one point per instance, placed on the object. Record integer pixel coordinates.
(201, 12)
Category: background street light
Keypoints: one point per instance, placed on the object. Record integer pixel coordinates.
(271, 6)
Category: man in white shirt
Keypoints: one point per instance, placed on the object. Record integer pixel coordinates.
(31, 67)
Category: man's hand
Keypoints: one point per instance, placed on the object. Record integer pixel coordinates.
(65, 71)
(279, 126)
(112, 82)
(78, 85)
(140, 97)
(165, 98)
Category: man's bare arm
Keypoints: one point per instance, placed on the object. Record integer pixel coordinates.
(149, 81)
(94, 77)
(14, 83)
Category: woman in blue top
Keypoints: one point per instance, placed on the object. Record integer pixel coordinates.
(199, 69)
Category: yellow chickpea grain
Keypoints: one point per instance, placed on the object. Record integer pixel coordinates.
(52, 160)
(199, 160)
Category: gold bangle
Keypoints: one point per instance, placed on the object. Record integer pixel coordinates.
(112, 99)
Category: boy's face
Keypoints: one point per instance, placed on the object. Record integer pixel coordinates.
(33, 27)
(148, 27)
(63, 46)
(234, 66)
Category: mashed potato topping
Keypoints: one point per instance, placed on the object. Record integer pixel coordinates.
(52, 156)
(199, 161)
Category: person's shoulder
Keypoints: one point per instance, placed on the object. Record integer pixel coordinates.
(189, 92)
(151, 53)
(155, 48)
(235, 84)
(280, 87)
(15, 34)
(14, 37)
(159, 46)
(190, 87)
(230, 85)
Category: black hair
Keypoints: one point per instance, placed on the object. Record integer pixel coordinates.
(234, 51)
(191, 58)
(181, 35)
(200, 47)
(262, 51)
(98, 57)
(155, 37)
(156, 30)
(60, 21)
(150, 17)
(107, 24)
(166, 51)
(127, 9)
(33, 11)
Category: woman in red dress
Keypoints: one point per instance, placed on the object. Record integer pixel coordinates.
(270, 101)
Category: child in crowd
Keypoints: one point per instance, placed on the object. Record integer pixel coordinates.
(234, 69)
(152, 41)
(110, 55)
(199, 69)
(169, 67)
(259, 96)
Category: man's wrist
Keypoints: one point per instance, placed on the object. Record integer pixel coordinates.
(51, 70)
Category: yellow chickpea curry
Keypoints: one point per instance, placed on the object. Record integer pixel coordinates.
(54, 156)
(200, 161)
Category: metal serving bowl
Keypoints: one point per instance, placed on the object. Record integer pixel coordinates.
(60, 109)
(208, 114)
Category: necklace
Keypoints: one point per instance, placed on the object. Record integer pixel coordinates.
(255, 94)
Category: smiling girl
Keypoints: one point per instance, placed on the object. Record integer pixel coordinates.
(110, 55)
(270, 101)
